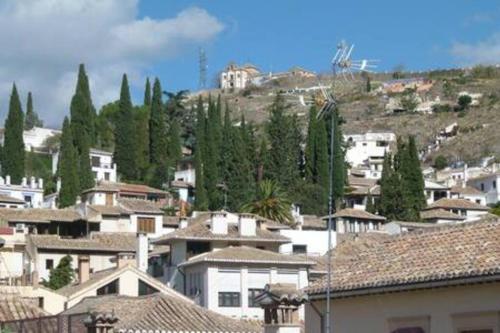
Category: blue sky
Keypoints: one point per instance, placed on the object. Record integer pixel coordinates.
(43, 41)
(276, 35)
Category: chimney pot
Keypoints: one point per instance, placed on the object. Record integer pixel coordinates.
(141, 253)
(124, 259)
(247, 225)
(7, 179)
(219, 223)
(24, 182)
(32, 182)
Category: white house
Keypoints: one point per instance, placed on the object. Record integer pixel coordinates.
(350, 220)
(469, 193)
(101, 161)
(434, 191)
(35, 138)
(27, 194)
(462, 207)
(207, 232)
(369, 146)
(227, 280)
(488, 184)
(236, 77)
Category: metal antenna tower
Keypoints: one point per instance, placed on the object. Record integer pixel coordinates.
(344, 66)
(202, 84)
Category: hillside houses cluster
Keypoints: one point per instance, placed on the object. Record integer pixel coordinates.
(137, 267)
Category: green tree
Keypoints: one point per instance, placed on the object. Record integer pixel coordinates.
(85, 169)
(13, 154)
(62, 275)
(464, 102)
(157, 127)
(31, 120)
(174, 147)
(68, 168)
(270, 202)
(440, 162)
(141, 123)
(83, 114)
(125, 154)
(409, 100)
(284, 153)
(339, 165)
(211, 160)
(495, 209)
(390, 203)
(370, 204)
(105, 126)
(147, 93)
(201, 200)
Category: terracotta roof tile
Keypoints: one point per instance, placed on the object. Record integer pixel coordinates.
(140, 206)
(456, 204)
(447, 253)
(98, 241)
(357, 213)
(440, 214)
(162, 313)
(468, 190)
(9, 199)
(109, 210)
(14, 307)
(245, 254)
(39, 215)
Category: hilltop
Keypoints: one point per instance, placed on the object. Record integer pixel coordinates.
(478, 135)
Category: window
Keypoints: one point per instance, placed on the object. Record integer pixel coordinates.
(194, 248)
(106, 176)
(252, 293)
(95, 174)
(146, 289)
(109, 199)
(409, 325)
(482, 186)
(229, 299)
(494, 184)
(299, 249)
(49, 264)
(27, 198)
(146, 224)
(110, 288)
(478, 201)
(96, 161)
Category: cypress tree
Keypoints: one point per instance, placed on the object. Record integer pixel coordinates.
(125, 142)
(31, 119)
(141, 123)
(339, 166)
(316, 153)
(68, 168)
(85, 169)
(284, 151)
(201, 200)
(412, 180)
(211, 161)
(370, 205)
(13, 154)
(174, 144)
(147, 93)
(157, 128)
(83, 114)
(391, 194)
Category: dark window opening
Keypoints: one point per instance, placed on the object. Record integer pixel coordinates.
(229, 299)
(252, 293)
(110, 288)
(49, 264)
(146, 289)
(195, 248)
(299, 249)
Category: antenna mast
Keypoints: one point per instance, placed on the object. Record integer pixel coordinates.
(202, 62)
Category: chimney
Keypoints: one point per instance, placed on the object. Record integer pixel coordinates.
(100, 322)
(247, 225)
(24, 182)
(7, 180)
(83, 268)
(125, 259)
(35, 280)
(32, 182)
(183, 222)
(40, 183)
(2, 181)
(58, 185)
(219, 223)
(141, 251)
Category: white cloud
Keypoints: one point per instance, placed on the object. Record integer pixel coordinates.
(483, 52)
(43, 41)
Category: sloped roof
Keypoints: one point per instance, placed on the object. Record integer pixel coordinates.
(249, 255)
(456, 204)
(467, 190)
(40, 215)
(201, 231)
(313, 222)
(159, 312)
(14, 307)
(109, 210)
(357, 213)
(440, 214)
(434, 186)
(107, 186)
(170, 221)
(361, 181)
(9, 199)
(98, 241)
(140, 206)
(455, 252)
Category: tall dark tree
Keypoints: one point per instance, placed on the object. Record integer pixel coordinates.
(13, 155)
(125, 154)
(339, 165)
(68, 168)
(83, 114)
(31, 120)
(85, 169)
(316, 153)
(211, 160)
(147, 93)
(390, 203)
(412, 180)
(174, 147)
(141, 123)
(157, 127)
(282, 164)
(201, 200)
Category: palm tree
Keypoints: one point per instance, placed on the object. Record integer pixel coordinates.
(270, 202)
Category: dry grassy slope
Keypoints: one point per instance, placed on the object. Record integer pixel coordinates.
(480, 127)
